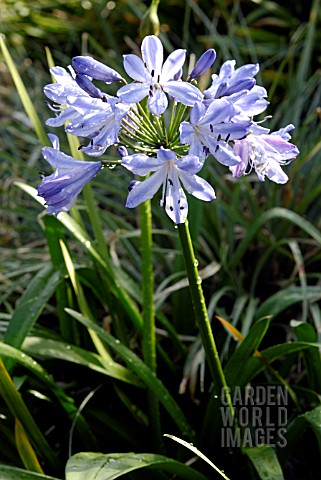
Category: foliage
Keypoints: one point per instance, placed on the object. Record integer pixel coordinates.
(71, 323)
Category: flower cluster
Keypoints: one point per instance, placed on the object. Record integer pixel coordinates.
(166, 122)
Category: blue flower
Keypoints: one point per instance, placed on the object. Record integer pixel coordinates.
(170, 172)
(89, 112)
(230, 81)
(61, 188)
(94, 69)
(265, 153)
(98, 120)
(210, 128)
(204, 63)
(60, 92)
(154, 79)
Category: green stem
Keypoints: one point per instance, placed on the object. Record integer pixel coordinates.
(195, 285)
(19, 410)
(148, 306)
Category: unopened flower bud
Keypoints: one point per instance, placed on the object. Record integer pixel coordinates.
(122, 151)
(132, 184)
(87, 85)
(95, 69)
(149, 24)
(204, 63)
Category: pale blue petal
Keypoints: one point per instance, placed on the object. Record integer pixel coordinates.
(146, 190)
(225, 154)
(197, 112)
(175, 203)
(187, 132)
(183, 92)
(172, 65)
(134, 92)
(165, 155)
(220, 110)
(275, 173)
(66, 115)
(152, 53)
(190, 164)
(157, 102)
(141, 164)
(134, 67)
(197, 186)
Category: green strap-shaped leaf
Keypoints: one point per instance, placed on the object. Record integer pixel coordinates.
(24, 96)
(245, 350)
(96, 466)
(254, 365)
(274, 213)
(265, 461)
(286, 297)
(55, 349)
(296, 429)
(12, 473)
(30, 306)
(143, 372)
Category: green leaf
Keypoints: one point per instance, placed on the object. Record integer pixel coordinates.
(24, 96)
(30, 306)
(285, 298)
(96, 466)
(54, 349)
(306, 333)
(198, 453)
(274, 213)
(66, 402)
(12, 473)
(24, 447)
(142, 371)
(254, 365)
(297, 427)
(265, 462)
(245, 349)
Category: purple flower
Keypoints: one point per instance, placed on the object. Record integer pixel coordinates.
(98, 120)
(94, 69)
(61, 188)
(154, 79)
(210, 129)
(171, 173)
(265, 153)
(204, 63)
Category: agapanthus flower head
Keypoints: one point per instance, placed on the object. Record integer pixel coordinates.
(170, 149)
(172, 173)
(265, 153)
(155, 79)
(61, 188)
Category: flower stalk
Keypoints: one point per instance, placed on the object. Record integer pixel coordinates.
(199, 305)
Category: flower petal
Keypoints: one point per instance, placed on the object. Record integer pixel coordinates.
(225, 154)
(172, 65)
(152, 53)
(141, 164)
(146, 190)
(134, 92)
(157, 102)
(183, 92)
(134, 67)
(176, 205)
(197, 186)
